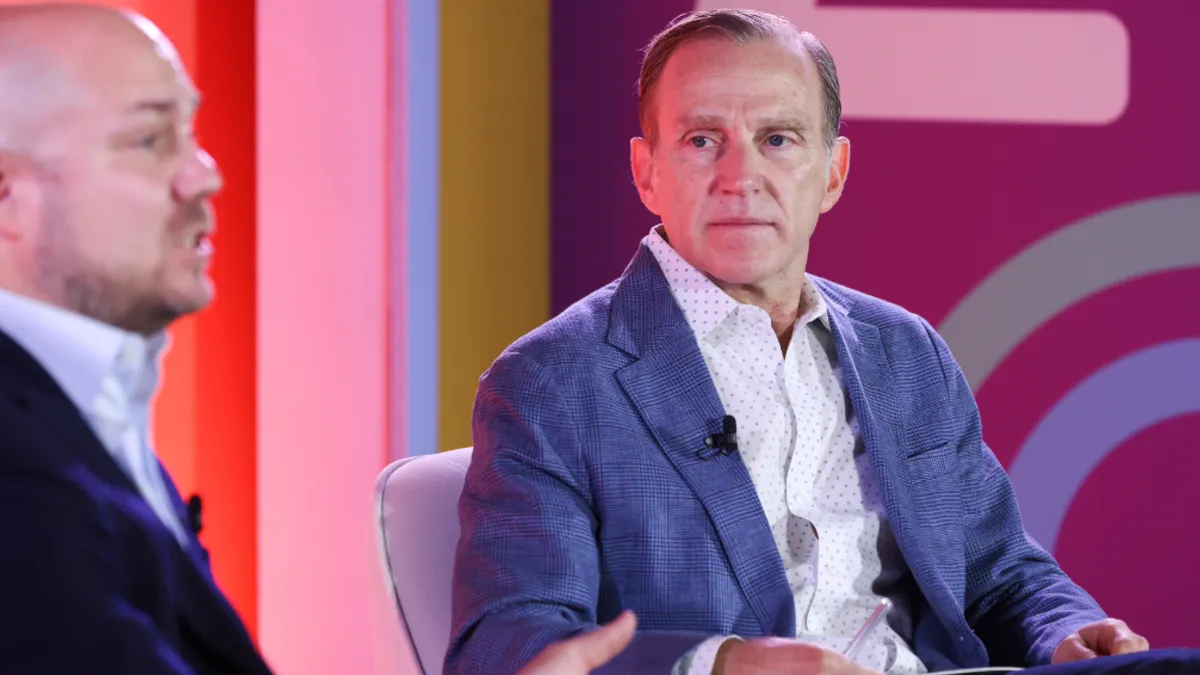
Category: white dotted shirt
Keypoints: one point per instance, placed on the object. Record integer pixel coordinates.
(800, 443)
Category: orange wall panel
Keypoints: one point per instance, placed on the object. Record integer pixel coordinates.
(224, 392)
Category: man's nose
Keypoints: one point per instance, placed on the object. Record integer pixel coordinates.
(738, 170)
(200, 178)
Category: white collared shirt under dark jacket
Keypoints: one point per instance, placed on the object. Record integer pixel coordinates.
(100, 569)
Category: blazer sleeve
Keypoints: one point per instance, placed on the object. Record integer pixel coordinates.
(1018, 600)
(527, 570)
(62, 609)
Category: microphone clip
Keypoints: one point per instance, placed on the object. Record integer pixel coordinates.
(722, 444)
(195, 508)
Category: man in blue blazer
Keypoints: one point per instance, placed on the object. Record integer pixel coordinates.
(104, 227)
(750, 458)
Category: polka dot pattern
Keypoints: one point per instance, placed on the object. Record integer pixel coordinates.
(800, 443)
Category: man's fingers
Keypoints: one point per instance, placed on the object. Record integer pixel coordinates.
(599, 646)
(1128, 642)
(1111, 637)
(1073, 649)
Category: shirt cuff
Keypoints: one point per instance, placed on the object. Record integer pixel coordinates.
(702, 658)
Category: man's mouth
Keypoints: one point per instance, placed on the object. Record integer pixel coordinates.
(200, 242)
(740, 222)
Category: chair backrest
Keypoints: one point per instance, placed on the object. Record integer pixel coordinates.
(416, 506)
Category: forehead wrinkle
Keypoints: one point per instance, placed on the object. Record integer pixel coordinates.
(758, 70)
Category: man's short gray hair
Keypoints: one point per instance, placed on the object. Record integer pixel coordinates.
(741, 26)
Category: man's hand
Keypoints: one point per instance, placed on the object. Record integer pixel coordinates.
(580, 654)
(780, 656)
(1103, 638)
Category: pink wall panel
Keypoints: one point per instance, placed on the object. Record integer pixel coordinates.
(323, 242)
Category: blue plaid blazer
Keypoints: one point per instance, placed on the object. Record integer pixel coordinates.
(585, 495)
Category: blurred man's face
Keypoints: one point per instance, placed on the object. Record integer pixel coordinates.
(124, 219)
(740, 172)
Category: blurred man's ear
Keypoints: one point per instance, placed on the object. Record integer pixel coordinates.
(641, 160)
(14, 196)
(7, 208)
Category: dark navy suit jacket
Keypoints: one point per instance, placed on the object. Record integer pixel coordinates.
(585, 495)
(91, 581)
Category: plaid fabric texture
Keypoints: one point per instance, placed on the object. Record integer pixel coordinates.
(585, 495)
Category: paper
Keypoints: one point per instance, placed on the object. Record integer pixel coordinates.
(969, 670)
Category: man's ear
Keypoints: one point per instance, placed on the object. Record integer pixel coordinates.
(839, 169)
(16, 196)
(641, 160)
(9, 223)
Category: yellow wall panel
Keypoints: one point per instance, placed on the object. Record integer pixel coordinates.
(495, 200)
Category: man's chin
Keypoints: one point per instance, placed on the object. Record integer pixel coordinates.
(738, 275)
(196, 296)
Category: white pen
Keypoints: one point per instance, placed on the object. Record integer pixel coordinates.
(874, 620)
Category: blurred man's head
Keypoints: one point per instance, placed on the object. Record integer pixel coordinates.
(104, 192)
(740, 114)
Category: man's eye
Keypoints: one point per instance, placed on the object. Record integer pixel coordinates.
(700, 141)
(151, 141)
(777, 140)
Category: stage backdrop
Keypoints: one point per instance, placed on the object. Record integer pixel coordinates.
(1023, 176)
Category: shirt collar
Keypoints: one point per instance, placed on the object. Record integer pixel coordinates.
(79, 352)
(704, 304)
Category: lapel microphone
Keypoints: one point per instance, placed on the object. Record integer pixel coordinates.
(195, 509)
(724, 443)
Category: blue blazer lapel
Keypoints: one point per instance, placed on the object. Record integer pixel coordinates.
(672, 389)
(868, 377)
